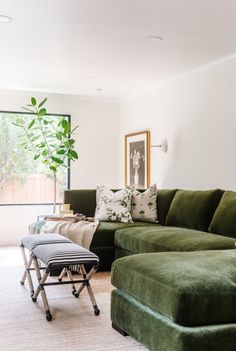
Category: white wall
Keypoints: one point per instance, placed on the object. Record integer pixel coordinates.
(97, 145)
(197, 114)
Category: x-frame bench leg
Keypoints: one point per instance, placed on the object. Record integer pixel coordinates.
(42, 283)
(27, 274)
(40, 288)
(86, 284)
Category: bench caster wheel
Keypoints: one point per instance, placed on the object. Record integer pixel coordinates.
(75, 294)
(48, 316)
(96, 311)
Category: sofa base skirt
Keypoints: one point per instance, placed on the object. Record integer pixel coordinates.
(106, 257)
(159, 333)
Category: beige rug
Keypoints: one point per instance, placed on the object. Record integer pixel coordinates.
(74, 328)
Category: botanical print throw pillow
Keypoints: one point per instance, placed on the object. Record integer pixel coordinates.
(113, 206)
(144, 205)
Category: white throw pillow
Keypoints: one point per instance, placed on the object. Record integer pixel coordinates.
(113, 206)
(144, 205)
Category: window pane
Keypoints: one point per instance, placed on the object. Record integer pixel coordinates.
(24, 180)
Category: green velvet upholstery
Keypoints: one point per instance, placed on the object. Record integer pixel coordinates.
(103, 241)
(159, 333)
(119, 253)
(193, 209)
(106, 257)
(157, 238)
(81, 201)
(105, 232)
(164, 199)
(192, 289)
(224, 219)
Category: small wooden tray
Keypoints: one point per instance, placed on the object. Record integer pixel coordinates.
(71, 219)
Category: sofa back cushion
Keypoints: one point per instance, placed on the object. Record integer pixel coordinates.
(84, 201)
(224, 219)
(193, 209)
(164, 199)
(81, 200)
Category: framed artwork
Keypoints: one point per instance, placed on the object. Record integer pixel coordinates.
(137, 159)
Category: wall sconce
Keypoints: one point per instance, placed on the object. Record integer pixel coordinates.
(163, 146)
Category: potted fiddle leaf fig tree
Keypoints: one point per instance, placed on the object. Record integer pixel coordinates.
(48, 139)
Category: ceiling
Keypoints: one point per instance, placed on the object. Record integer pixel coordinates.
(100, 47)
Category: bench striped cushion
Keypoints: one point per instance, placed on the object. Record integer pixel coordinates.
(64, 255)
(32, 241)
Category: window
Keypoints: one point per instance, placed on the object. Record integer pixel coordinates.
(24, 180)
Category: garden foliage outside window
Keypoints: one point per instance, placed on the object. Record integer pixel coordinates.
(22, 179)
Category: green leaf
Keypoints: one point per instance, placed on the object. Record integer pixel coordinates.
(42, 112)
(60, 121)
(61, 152)
(42, 102)
(57, 160)
(53, 168)
(73, 154)
(33, 101)
(64, 123)
(45, 122)
(36, 157)
(45, 152)
(71, 142)
(31, 124)
(34, 137)
(58, 136)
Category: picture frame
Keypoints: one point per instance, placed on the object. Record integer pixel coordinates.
(137, 159)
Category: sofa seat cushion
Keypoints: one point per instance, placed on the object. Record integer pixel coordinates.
(104, 235)
(193, 209)
(162, 238)
(224, 219)
(197, 288)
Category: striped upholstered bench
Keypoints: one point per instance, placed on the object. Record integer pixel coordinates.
(30, 242)
(62, 254)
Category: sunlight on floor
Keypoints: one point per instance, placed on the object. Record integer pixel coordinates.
(10, 256)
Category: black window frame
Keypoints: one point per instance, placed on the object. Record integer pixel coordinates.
(68, 170)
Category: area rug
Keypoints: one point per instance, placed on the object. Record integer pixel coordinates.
(74, 326)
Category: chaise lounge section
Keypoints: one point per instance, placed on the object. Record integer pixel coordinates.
(177, 301)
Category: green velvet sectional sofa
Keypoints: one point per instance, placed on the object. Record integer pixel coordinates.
(183, 221)
(175, 281)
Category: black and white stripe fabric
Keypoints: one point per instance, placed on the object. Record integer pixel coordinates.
(63, 255)
(32, 241)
